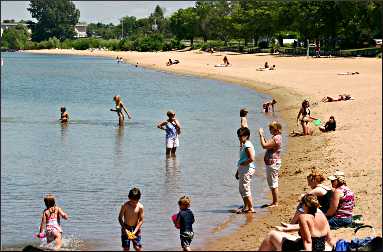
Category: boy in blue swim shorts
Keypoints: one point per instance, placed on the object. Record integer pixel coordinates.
(131, 218)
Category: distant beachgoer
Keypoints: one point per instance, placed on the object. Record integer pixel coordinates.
(64, 117)
(306, 117)
(170, 62)
(323, 193)
(313, 229)
(266, 64)
(137, 64)
(342, 97)
(329, 126)
(342, 203)
(119, 109)
(225, 61)
(273, 68)
(348, 73)
(50, 220)
(317, 49)
(266, 106)
(173, 129)
(131, 218)
(243, 114)
(185, 220)
(272, 158)
(245, 170)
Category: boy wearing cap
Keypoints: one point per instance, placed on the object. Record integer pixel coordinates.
(342, 202)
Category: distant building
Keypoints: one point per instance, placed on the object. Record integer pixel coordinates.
(5, 26)
(80, 28)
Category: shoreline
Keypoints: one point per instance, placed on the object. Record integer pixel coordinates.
(361, 161)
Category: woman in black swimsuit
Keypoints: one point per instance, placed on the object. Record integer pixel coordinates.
(314, 231)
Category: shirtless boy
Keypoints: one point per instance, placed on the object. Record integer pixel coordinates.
(131, 218)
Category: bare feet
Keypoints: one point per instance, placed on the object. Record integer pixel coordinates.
(270, 205)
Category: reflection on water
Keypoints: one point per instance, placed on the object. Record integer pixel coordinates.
(64, 132)
(118, 147)
(172, 174)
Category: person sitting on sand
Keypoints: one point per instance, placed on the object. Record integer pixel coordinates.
(226, 61)
(323, 193)
(348, 73)
(266, 65)
(266, 105)
(341, 97)
(170, 62)
(313, 229)
(306, 117)
(64, 115)
(329, 126)
(272, 68)
(342, 203)
(245, 170)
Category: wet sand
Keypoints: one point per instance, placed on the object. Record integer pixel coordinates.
(355, 147)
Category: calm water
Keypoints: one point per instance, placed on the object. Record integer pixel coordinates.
(91, 164)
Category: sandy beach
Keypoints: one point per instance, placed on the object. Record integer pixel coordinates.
(355, 147)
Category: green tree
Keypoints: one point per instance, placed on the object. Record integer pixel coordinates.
(55, 18)
(184, 24)
(15, 38)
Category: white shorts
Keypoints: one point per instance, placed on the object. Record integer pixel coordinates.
(272, 174)
(245, 175)
(172, 143)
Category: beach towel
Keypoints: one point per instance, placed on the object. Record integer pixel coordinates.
(222, 65)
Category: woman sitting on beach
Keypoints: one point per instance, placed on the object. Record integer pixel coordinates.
(306, 117)
(170, 62)
(313, 229)
(323, 193)
(342, 204)
(329, 126)
(119, 107)
(342, 97)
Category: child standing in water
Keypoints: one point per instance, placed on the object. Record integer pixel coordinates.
(272, 158)
(51, 221)
(131, 218)
(243, 113)
(185, 220)
(173, 129)
(119, 107)
(64, 115)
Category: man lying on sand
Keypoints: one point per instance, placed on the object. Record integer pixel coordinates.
(265, 68)
(348, 73)
(342, 97)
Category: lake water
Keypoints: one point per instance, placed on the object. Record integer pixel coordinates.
(91, 164)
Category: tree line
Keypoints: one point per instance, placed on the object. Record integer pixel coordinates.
(336, 24)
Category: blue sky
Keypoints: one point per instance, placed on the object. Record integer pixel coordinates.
(99, 11)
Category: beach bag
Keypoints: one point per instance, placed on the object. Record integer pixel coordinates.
(370, 243)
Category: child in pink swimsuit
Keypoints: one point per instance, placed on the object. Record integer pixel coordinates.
(51, 220)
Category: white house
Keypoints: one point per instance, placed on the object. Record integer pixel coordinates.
(79, 28)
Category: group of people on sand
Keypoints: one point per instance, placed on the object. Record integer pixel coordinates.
(319, 211)
(119, 60)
